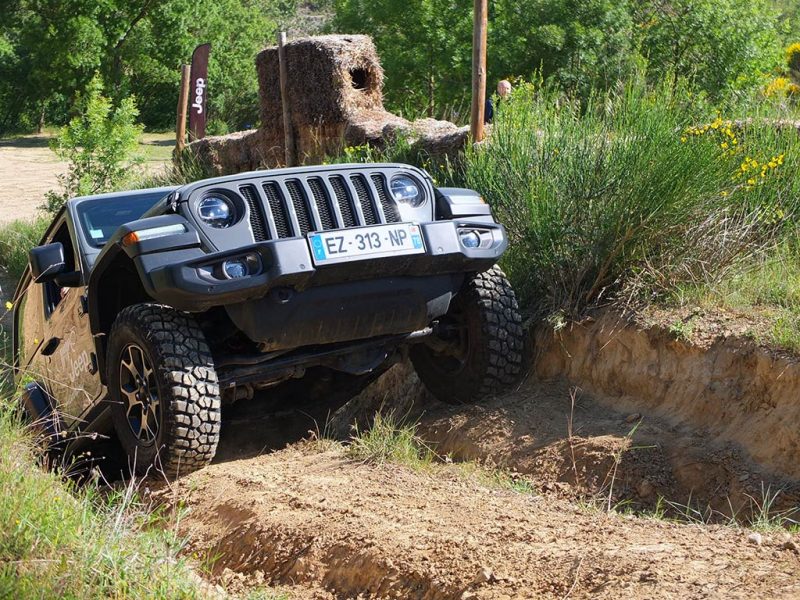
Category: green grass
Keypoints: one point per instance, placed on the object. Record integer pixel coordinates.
(61, 541)
(766, 288)
(392, 440)
(16, 240)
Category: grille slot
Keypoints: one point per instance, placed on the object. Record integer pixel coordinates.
(278, 209)
(300, 206)
(389, 207)
(343, 200)
(323, 206)
(364, 200)
(257, 222)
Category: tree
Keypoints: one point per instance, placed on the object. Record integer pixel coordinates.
(51, 49)
(581, 44)
(720, 44)
(425, 47)
(99, 146)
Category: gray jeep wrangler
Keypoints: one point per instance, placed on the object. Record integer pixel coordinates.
(142, 313)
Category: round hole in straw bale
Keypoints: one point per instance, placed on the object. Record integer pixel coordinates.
(360, 79)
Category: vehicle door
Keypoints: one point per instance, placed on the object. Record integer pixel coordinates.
(29, 326)
(72, 365)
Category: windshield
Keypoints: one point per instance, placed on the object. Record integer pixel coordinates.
(101, 217)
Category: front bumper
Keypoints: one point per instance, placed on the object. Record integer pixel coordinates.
(287, 265)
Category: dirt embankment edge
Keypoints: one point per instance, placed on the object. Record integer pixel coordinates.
(738, 391)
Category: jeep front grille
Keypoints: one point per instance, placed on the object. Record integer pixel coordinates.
(295, 206)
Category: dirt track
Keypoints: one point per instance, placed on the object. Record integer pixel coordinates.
(29, 169)
(309, 518)
(327, 523)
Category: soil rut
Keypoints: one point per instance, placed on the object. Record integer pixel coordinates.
(346, 530)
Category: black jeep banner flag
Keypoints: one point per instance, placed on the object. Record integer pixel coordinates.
(198, 92)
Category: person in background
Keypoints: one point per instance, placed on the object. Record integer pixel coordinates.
(503, 90)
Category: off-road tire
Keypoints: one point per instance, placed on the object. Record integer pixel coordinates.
(188, 390)
(494, 356)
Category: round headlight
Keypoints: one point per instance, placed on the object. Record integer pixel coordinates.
(216, 211)
(235, 269)
(406, 191)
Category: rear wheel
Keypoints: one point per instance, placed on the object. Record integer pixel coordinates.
(164, 390)
(478, 350)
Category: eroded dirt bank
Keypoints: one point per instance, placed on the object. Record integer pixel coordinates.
(346, 530)
(613, 417)
(729, 388)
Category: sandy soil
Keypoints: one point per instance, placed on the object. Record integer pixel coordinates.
(307, 517)
(351, 530)
(29, 169)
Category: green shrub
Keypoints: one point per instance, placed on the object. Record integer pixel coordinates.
(99, 146)
(622, 196)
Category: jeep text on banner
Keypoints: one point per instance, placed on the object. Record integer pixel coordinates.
(198, 92)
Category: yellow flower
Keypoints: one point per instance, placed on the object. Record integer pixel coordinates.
(683, 139)
(793, 55)
(9, 306)
(723, 194)
(724, 145)
(751, 181)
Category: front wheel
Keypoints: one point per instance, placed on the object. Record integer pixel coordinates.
(478, 351)
(164, 390)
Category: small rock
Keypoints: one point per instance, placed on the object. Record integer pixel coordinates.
(633, 417)
(791, 545)
(744, 476)
(645, 489)
(755, 538)
(485, 575)
(468, 595)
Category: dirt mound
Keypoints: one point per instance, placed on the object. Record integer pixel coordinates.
(338, 528)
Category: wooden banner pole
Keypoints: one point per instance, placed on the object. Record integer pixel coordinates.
(183, 103)
(480, 24)
(288, 134)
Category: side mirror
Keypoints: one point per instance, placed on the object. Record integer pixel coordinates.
(47, 261)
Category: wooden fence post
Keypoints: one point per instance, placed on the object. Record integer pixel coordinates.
(183, 102)
(288, 134)
(480, 23)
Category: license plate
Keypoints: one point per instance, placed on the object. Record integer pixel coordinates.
(366, 242)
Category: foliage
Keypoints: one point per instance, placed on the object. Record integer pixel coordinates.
(99, 146)
(720, 44)
(424, 45)
(579, 44)
(725, 45)
(766, 289)
(50, 50)
(16, 239)
(60, 541)
(622, 195)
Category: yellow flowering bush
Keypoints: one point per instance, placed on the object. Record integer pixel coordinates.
(777, 86)
(720, 129)
(793, 56)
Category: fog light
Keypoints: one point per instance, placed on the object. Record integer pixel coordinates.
(234, 269)
(470, 239)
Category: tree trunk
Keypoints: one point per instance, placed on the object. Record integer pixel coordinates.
(40, 127)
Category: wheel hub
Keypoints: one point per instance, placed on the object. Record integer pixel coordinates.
(139, 392)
